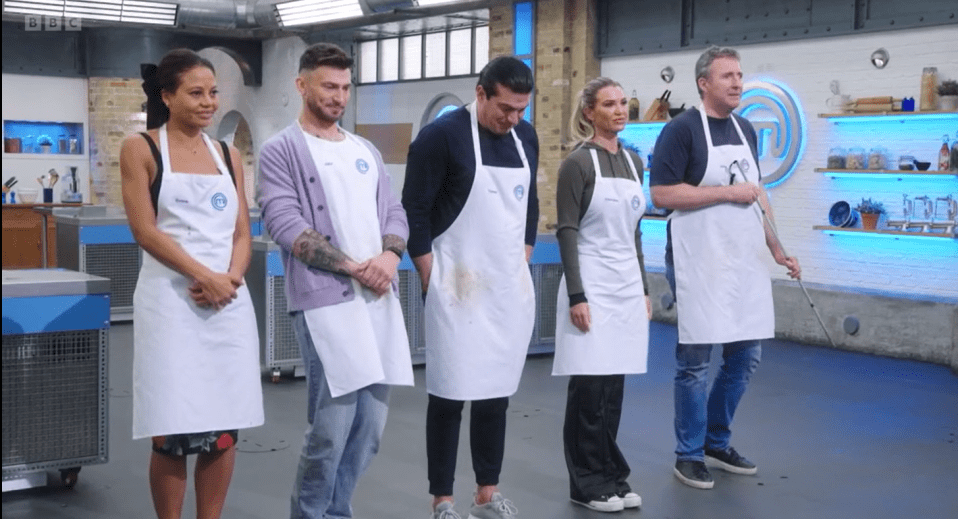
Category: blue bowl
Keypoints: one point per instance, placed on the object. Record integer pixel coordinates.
(842, 215)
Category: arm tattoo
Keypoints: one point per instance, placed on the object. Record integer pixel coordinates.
(394, 243)
(316, 251)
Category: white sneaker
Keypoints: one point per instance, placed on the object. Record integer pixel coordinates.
(608, 503)
(630, 499)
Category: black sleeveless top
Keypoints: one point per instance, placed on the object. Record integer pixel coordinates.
(155, 185)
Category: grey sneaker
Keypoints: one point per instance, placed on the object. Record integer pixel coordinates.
(731, 461)
(694, 474)
(498, 508)
(445, 511)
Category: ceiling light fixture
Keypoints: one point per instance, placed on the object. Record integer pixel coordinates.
(124, 11)
(303, 12)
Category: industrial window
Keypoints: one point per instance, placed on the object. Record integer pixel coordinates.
(368, 54)
(389, 59)
(450, 53)
(411, 57)
(436, 54)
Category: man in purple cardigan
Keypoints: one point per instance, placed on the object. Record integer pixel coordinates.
(326, 200)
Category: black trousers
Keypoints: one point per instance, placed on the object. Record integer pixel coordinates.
(487, 438)
(593, 410)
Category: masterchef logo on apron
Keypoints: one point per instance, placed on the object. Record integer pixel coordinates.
(219, 201)
(362, 166)
(519, 192)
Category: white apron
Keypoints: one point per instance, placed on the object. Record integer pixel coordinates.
(723, 287)
(618, 339)
(194, 369)
(480, 305)
(362, 341)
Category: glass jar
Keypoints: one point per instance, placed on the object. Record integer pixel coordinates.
(906, 162)
(929, 89)
(855, 158)
(836, 158)
(877, 158)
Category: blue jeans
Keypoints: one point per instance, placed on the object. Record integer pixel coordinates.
(341, 440)
(703, 418)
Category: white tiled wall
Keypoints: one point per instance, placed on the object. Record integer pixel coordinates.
(924, 268)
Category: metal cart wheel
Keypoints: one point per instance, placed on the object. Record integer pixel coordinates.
(69, 476)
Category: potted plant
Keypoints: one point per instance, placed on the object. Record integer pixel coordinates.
(45, 143)
(948, 95)
(870, 211)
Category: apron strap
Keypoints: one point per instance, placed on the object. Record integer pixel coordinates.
(628, 160)
(228, 160)
(158, 179)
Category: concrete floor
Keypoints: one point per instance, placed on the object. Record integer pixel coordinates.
(835, 435)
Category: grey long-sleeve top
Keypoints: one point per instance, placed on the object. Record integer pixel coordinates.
(573, 195)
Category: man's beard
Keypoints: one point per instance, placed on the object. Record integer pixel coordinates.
(319, 113)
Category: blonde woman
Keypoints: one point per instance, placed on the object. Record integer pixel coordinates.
(603, 311)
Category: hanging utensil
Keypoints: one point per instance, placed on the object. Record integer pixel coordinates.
(42, 179)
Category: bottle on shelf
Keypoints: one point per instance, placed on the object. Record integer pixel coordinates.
(928, 100)
(944, 155)
(954, 154)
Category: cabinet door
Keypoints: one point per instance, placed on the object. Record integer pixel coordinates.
(22, 239)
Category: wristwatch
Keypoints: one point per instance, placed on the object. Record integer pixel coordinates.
(395, 250)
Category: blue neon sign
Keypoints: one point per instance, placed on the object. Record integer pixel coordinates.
(774, 111)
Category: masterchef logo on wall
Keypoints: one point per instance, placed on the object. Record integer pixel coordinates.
(777, 117)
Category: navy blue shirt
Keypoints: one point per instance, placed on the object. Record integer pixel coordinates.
(440, 169)
(681, 152)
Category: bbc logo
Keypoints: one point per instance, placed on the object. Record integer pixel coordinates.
(35, 22)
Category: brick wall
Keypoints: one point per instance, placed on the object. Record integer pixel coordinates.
(500, 30)
(115, 112)
(564, 61)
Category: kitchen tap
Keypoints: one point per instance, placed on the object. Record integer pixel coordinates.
(951, 207)
(929, 208)
(907, 209)
(948, 222)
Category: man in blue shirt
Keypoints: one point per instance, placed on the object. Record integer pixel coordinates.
(706, 171)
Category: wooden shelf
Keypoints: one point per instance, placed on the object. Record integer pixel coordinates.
(891, 232)
(889, 172)
(655, 218)
(886, 114)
